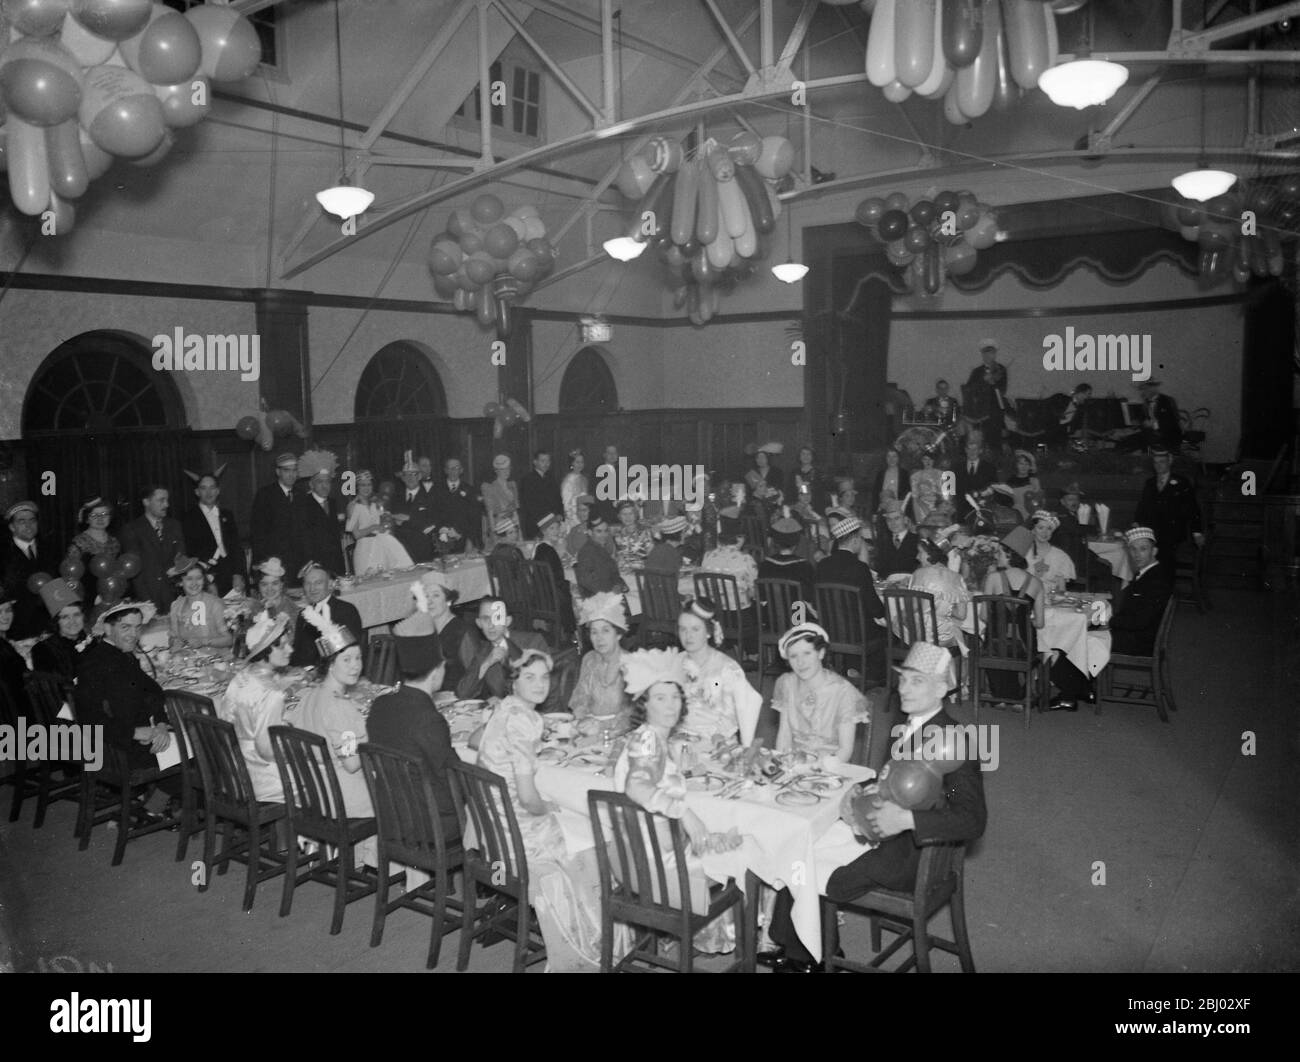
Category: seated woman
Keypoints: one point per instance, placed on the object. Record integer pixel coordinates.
(369, 523)
(785, 563)
(599, 703)
(729, 558)
(270, 589)
(548, 552)
(254, 700)
(721, 705)
(57, 653)
(820, 710)
(1051, 564)
(1010, 578)
(1023, 481)
(451, 629)
(632, 542)
(197, 618)
(326, 709)
(951, 598)
(665, 557)
(563, 889)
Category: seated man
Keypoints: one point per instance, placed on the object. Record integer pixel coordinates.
(1133, 624)
(843, 565)
(595, 571)
(665, 556)
(551, 529)
(785, 563)
(942, 408)
(319, 596)
(577, 533)
(483, 658)
(407, 721)
(924, 679)
(896, 545)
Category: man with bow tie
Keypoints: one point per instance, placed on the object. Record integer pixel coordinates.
(413, 509)
(456, 505)
(211, 534)
(23, 553)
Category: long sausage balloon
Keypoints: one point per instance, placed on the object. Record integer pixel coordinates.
(706, 205)
(896, 92)
(1007, 93)
(880, 45)
(951, 108)
(684, 195)
(760, 207)
(29, 176)
(731, 202)
(940, 72)
(963, 31)
(914, 41)
(720, 251)
(1025, 23)
(977, 82)
(68, 176)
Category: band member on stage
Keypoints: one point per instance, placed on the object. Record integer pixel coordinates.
(942, 408)
(986, 391)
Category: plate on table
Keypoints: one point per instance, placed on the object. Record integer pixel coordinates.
(706, 783)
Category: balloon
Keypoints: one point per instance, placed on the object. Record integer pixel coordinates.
(487, 209)
(157, 154)
(896, 201)
(880, 66)
(128, 565)
(100, 565)
(461, 299)
(1006, 93)
(1224, 208)
(445, 285)
(896, 92)
(29, 177)
(664, 155)
(88, 49)
(40, 80)
(500, 241)
(166, 51)
(114, 19)
(892, 225)
(471, 242)
(445, 257)
(1212, 235)
(917, 239)
(1189, 232)
(775, 157)
(932, 269)
(36, 581)
(524, 264)
(945, 202)
(984, 233)
(67, 169)
(516, 225)
(247, 428)
(186, 103)
(479, 267)
(120, 112)
(487, 308)
(745, 147)
(959, 259)
(36, 18)
(65, 215)
(634, 177)
(870, 211)
(534, 229)
(977, 82)
(279, 421)
(230, 48)
(923, 211)
(911, 784)
(461, 222)
(898, 254)
(963, 31)
(72, 568)
(1025, 26)
(913, 41)
(968, 215)
(112, 587)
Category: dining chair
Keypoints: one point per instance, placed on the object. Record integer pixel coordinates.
(843, 614)
(506, 579)
(108, 796)
(46, 694)
(1189, 567)
(661, 604)
(496, 864)
(774, 610)
(314, 809)
(381, 660)
(1076, 548)
(1159, 689)
(644, 887)
(547, 606)
(410, 833)
(248, 826)
(910, 616)
(940, 883)
(754, 528)
(724, 591)
(181, 704)
(1006, 643)
(23, 787)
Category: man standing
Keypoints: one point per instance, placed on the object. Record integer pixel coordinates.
(539, 494)
(157, 540)
(1168, 506)
(484, 658)
(1160, 424)
(318, 518)
(22, 554)
(318, 593)
(975, 475)
(211, 535)
(985, 394)
(897, 544)
(272, 524)
(414, 508)
(455, 505)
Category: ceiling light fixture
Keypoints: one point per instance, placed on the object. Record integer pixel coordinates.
(1083, 81)
(789, 271)
(1203, 183)
(345, 200)
(624, 248)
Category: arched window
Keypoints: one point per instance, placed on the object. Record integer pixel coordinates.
(588, 385)
(400, 382)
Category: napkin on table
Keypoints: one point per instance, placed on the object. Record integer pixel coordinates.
(1103, 517)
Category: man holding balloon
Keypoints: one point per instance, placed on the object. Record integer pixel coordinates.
(917, 801)
(156, 540)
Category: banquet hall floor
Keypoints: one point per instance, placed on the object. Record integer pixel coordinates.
(1114, 843)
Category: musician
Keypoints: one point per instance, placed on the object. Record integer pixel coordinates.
(942, 408)
(1160, 425)
(986, 391)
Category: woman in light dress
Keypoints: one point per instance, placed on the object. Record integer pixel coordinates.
(599, 702)
(721, 706)
(564, 889)
(819, 709)
(951, 598)
(927, 488)
(376, 548)
(270, 589)
(573, 486)
(632, 541)
(197, 618)
(1051, 564)
(254, 701)
(500, 496)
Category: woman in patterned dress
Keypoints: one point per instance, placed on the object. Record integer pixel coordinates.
(819, 709)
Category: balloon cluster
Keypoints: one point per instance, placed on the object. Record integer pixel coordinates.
(936, 236)
(487, 259)
(90, 80)
(268, 426)
(1239, 233)
(916, 785)
(706, 214)
(112, 574)
(506, 415)
(972, 54)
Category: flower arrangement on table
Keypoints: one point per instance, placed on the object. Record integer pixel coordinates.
(236, 613)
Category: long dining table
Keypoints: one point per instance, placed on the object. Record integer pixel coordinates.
(384, 599)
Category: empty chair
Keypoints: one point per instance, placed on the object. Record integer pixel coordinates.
(754, 528)
(180, 706)
(843, 614)
(774, 609)
(910, 617)
(724, 591)
(649, 889)
(1005, 644)
(381, 660)
(248, 827)
(547, 606)
(497, 864)
(1189, 569)
(410, 833)
(506, 576)
(1158, 689)
(660, 605)
(939, 884)
(314, 809)
(47, 695)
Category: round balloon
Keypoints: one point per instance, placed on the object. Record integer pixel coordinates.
(896, 201)
(247, 428)
(892, 225)
(115, 19)
(524, 264)
(984, 233)
(1190, 215)
(923, 211)
(898, 254)
(121, 113)
(959, 258)
(279, 421)
(471, 242)
(100, 565)
(487, 209)
(40, 80)
(500, 241)
(72, 568)
(635, 177)
(230, 48)
(945, 202)
(157, 154)
(36, 581)
(167, 50)
(460, 223)
(186, 103)
(745, 147)
(479, 267)
(775, 157)
(128, 565)
(917, 239)
(112, 587)
(89, 49)
(534, 229)
(445, 257)
(36, 18)
(870, 211)
(445, 286)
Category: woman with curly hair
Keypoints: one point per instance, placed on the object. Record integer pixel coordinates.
(721, 705)
(820, 710)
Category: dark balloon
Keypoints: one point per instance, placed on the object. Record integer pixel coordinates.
(945, 202)
(923, 211)
(892, 225)
(1190, 215)
(870, 211)
(917, 239)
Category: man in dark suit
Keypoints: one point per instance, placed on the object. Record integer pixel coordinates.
(413, 507)
(406, 720)
(539, 494)
(985, 394)
(23, 553)
(1161, 427)
(211, 536)
(843, 565)
(924, 678)
(484, 657)
(1169, 507)
(1133, 625)
(456, 505)
(319, 521)
(272, 521)
(896, 544)
(317, 590)
(975, 475)
(157, 539)
(595, 570)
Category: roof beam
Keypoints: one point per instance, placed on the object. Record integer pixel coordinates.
(729, 35)
(556, 70)
(1200, 40)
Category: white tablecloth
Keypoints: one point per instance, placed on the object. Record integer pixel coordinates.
(685, 587)
(383, 601)
(1066, 628)
(1116, 555)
